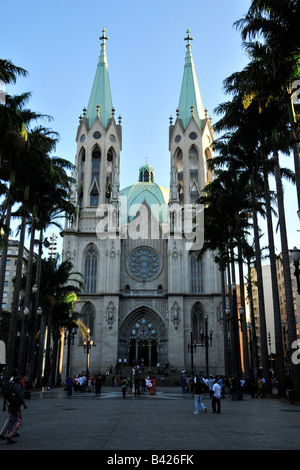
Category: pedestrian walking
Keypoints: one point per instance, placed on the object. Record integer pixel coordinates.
(44, 386)
(197, 395)
(124, 384)
(69, 384)
(259, 388)
(14, 401)
(98, 384)
(5, 397)
(216, 398)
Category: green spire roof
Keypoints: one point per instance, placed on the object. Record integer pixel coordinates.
(101, 94)
(190, 92)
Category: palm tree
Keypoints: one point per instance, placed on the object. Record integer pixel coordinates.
(252, 126)
(27, 174)
(275, 23)
(57, 281)
(9, 71)
(269, 78)
(226, 219)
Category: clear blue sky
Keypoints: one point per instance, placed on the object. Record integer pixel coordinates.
(58, 43)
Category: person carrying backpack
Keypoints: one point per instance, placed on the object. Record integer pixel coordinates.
(13, 399)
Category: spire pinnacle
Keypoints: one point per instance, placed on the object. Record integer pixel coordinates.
(190, 101)
(101, 94)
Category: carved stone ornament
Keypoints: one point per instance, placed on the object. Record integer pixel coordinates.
(175, 314)
(110, 314)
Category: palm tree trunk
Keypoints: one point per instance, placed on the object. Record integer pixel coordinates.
(236, 353)
(15, 303)
(243, 320)
(4, 251)
(222, 271)
(229, 323)
(23, 340)
(42, 330)
(261, 303)
(255, 362)
(275, 291)
(291, 323)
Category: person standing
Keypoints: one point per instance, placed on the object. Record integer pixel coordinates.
(137, 383)
(124, 384)
(14, 403)
(69, 384)
(197, 395)
(153, 386)
(216, 398)
(98, 384)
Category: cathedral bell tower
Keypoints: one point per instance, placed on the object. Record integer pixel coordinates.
(99, 142)
(190, 138)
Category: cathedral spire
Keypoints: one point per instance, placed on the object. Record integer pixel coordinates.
(190, 102)
(100, 102)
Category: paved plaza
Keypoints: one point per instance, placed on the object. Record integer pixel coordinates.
(162, 422)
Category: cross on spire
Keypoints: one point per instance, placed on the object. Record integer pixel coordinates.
(188, 38)
(103, 37)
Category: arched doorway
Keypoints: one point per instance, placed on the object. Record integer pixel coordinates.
(143, 338)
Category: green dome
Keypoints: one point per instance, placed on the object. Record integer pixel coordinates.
(154, 195)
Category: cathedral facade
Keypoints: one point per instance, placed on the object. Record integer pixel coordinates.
(147, 296)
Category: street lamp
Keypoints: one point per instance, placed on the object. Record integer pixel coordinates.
(87, 346)
(286, 355)
(192, 348)
(251, 346)
(295, 257)
(242, 313)
(69, 339)
(232, 316)
(207, 341)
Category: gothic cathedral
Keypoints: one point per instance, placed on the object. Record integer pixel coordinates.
(147, 296)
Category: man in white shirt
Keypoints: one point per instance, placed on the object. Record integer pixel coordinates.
(216, 398)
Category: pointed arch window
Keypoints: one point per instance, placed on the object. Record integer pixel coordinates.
(94, 195)
(88, 316)
(197, 321)
(193, 162)
(196, 274)
(82, 164)
(179, 166)
(96, 160)
(95, 177)
(90, 270)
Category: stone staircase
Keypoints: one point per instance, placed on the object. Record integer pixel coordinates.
(169, 377)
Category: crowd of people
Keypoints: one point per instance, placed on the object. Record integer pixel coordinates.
(137, 382)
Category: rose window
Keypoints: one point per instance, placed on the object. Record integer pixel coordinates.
(144, 263)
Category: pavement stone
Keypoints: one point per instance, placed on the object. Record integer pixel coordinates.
(160, 423)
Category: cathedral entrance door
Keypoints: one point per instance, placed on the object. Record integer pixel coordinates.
(143, 339)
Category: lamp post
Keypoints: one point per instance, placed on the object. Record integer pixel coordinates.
(242, 313)
(87, 347)
(207, 341)
(251, 347)
(232, 316)
(69, 339)
(286, 352)
(295, 256)
(32, 321)
(192, 348)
